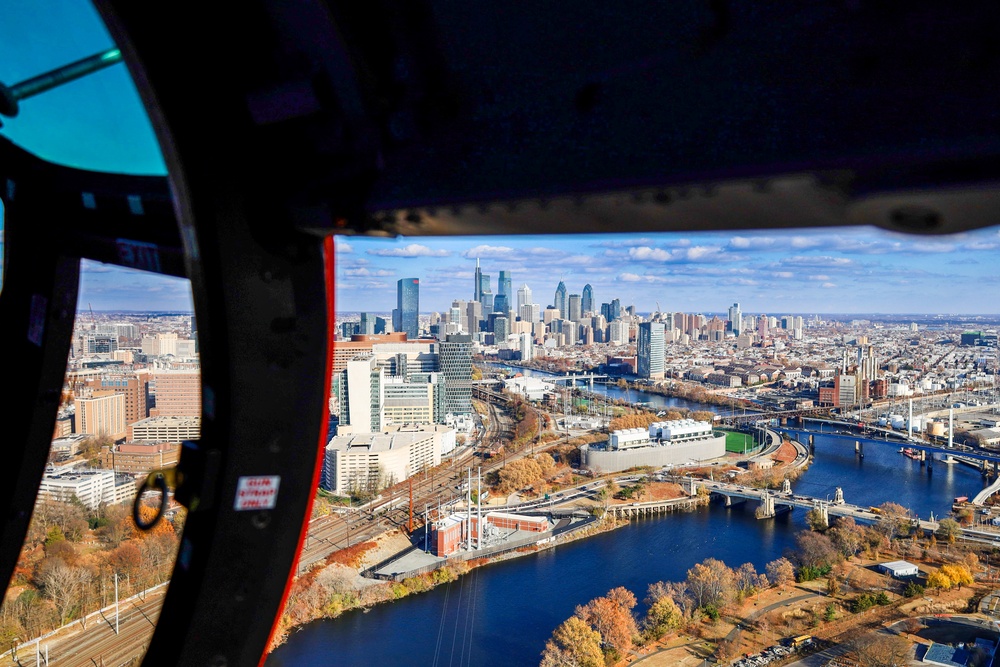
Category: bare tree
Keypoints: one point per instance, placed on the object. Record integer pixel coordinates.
(64, 585)
(878, 649)
(781, 572)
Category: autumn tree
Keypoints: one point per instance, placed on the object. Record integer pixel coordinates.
(948, 529)
(711, 582)
(958, 574)
(573, 644)
(780, 572)
(894, 520)
(546, 463)
(848, 537)
(623, 597)
(814, 549)
(162, 527)
(611, 616)
(947, 576)
(640, 420)
(748, 580)
(126, 559)
(939, 580)
(662, 616)
(816, 520)
(118, 527)
(518, 474)
(676, 591)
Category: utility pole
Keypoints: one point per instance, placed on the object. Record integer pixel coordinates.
(479, 508)
(116, 603)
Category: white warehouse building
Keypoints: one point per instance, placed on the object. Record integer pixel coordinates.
(671, 442)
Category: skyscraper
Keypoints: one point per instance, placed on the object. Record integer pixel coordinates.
(587, 302)
(501, 329)
(523, 298)
(482, 286)
(573, 304)
(504, 298)
(367, 325)
(477, 288)
(560, 302)
(735, 319)
(405, 315)
(649, 349)
(455, 362)
(612, 311)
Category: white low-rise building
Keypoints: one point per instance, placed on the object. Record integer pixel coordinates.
(532, 388)
(371, 461)
(672, 442)
(899, 569)
(91, 487)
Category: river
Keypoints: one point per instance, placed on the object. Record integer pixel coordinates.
(502, 614)
(630, 396)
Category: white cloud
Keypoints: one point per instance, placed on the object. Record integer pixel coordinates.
(933, 247)
(700, 252)
(412, 250)
(756, 242)
(488, 251)
(636, 278)
(645, 253)
(343, 247)
(627, 243)
(806, 242)
(365, 271)
(820, 261)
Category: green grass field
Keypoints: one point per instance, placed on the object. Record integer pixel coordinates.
(735, 441)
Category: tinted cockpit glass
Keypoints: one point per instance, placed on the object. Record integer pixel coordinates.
(96, 122)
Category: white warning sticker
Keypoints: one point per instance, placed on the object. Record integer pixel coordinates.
(256, 493)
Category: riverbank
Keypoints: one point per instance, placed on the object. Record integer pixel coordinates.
(658, 549)
(336, 586)
(692, 392)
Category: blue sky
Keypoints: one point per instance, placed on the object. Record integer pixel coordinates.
(839, 270)
(98, 123)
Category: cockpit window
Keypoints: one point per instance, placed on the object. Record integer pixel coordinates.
(96, 122)
(462, 348)
(131, 394)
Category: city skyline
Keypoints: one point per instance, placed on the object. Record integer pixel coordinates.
(850, 270)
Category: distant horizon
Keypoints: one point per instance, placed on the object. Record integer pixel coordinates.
(773, 313)
(856, 270)
(850, 272)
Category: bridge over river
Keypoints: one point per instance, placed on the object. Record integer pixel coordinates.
(771, 501)
(928, 449)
